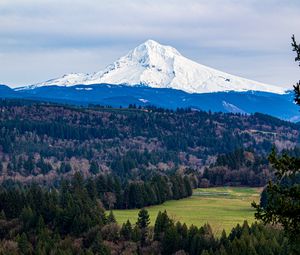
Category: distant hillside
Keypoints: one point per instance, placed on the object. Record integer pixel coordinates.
(43, 141)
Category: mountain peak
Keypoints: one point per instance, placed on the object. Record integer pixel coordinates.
(151, 51)
(160, 66)
(151, 42)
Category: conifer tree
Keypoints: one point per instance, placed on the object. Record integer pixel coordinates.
(143, 223)
(24, 245)
(296, 48)
(111, 218)
(170, 241)
(98, 247)
(205, 252)
(126, 231)
(2, 215)
(224, 240)
(195, 247)
(136, 234)
(94, 168)
(162, 223)
(188, 187)
(283, 195)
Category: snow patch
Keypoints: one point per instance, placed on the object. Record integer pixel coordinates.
(232, 108)
(143, 100)
(84, 88)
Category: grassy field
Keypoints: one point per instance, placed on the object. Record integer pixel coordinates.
(221, 207)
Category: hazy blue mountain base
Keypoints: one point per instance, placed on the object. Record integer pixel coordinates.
(281, 106)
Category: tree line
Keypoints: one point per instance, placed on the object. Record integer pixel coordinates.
(35, 220)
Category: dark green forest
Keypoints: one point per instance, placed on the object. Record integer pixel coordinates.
(43, 142)
(71, 220)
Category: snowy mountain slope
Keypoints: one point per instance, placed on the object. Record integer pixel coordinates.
(157, 66)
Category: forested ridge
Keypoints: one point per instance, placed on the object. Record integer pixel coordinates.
(43, 142)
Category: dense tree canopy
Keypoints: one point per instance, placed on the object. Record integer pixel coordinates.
(70, 221)
(44, 142)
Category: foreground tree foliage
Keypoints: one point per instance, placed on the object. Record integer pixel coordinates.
(35, 220)
(281, 200)
(296, 48)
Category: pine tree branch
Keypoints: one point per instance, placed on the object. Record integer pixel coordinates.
(296, 48)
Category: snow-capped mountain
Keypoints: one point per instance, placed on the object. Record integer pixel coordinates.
(154, 65)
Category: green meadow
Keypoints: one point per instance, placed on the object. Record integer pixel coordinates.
(221, 207)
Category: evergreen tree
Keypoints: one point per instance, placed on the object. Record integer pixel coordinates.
(143, 219)
(187, 185)
(111, 217)
(205, 252)
(126, 231)
(143, 223)
(162, 223)
(94, 168)
(29, 165)
(98, 247)
(28, 218)
(92, 189)
(65, 168)
(24, 245)
(170, 242)
(2, 215)
(296, 48)
(224, 240)
(195, 247)
(136, 234)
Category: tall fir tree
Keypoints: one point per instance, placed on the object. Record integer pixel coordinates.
(282, 205)
(143, 223)
(126, 231)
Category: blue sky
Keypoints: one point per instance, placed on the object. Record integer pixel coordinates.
(43, 39)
